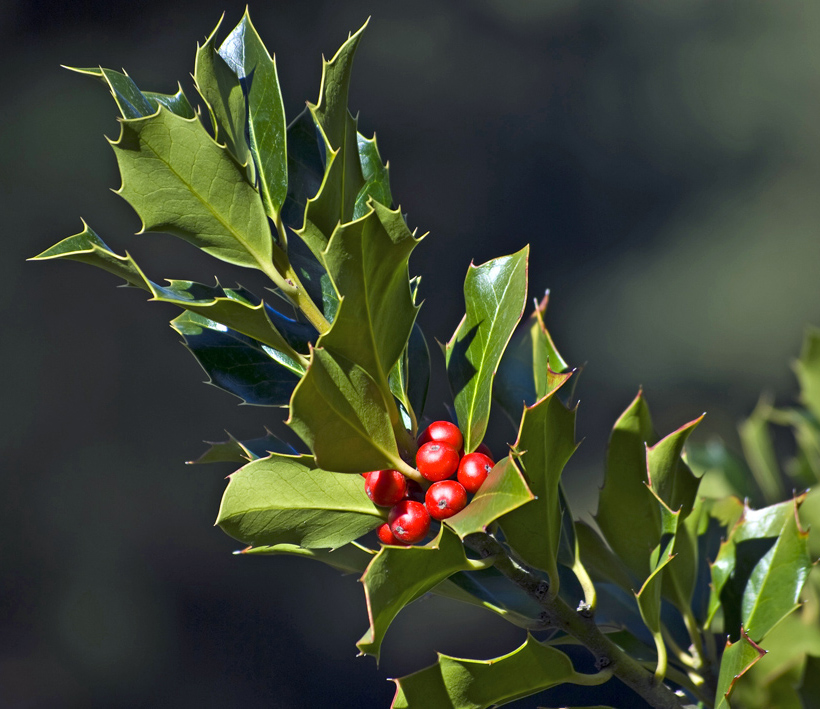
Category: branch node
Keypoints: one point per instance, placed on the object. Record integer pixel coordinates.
(584, 609)
(541, 590)
(602, 662)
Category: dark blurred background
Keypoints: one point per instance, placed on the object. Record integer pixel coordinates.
(662, 159)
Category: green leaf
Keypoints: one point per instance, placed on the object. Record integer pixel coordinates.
(335, 203)
(341, 413)
(410, 377)
(722, 472)
(524, 373)
(599, 560)
(180, 181)
(349, 559)
(738, 657)
(247, 56)
(494, 293)
(546, 441)
(236, 363)
(176, 103)
(236, 451)
(807, 369)
(628, 514)
(667, 475)
(287, 500)
(221, 90)
(454, 683)
(398, 576)
(760, 570)
(503, 491)
(376, 177)
(758, 447)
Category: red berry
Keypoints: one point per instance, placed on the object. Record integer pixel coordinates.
(437, 461)
(414, 491)
(445, 498)
(409, 521)
(385, 487)
(443, 432)
(386, 536)
(473, 470)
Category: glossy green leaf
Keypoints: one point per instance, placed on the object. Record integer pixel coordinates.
(523, 376)
(343, 416)
(807, 369)
(410, 378)
(738, 657)
(667, 475)
(235, 451)
(257, 374)
(628, 514)
(758, 446)
(398, 576)
(176, 103)
(376, 177)
(266, 127)
(287, 500)
(335, 203)
(307, 156)
(503, 491)
(221, 90)
(349, 559)
(494, 294)
(180, 181)
(546, 441)
(454, 683)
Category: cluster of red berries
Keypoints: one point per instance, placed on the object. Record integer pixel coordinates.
(440, 457)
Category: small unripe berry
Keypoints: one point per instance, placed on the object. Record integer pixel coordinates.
(437, 461)
(385, 487)
(473, 470)
(409, 521)
(443, 432)
(414, 491)
(386, 536)
(445, 498)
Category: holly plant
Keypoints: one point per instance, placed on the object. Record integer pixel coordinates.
(696, 562)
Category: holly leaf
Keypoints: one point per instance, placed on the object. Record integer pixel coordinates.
(476, 684)
(599, 560)
(222, 92)
(737, 658)
(494, 294)
(410, 378)
(343, 180)
(307, 157)
(523, 376)
(244, 52)
(238, 364)
(235, 451)
(170, 167)
(287, 500)
(376, 177)
(807, 369)
(343, 416)
(503, 491)
(351, 558)
(546, 441)
(628, 514)
(398, 576)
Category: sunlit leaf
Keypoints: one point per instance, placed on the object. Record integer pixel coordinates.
(349, 559)
(738, 657)
(235, 451)
(376, 177)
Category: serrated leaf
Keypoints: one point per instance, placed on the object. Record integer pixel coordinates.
(257, 374)
(376, 177)
(335, 202)
(546, 441)
(349, 559)
(523, 375)
(454, 683)
(180, 181)
(340, 412)
(176, 103)
(667, 475)
(398, 576)
(247, 56)
(287, 500)
(410, 378)
(494, 294)
(503, 491)
(307, 157)
(738, 657)
(235, 451)
(807, 369)
(744, 582)
(758, 446)
(628, 514)
(222, 92)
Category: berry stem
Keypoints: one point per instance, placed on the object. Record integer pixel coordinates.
(581, 626)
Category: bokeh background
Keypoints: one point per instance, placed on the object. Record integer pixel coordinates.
(663, 159)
